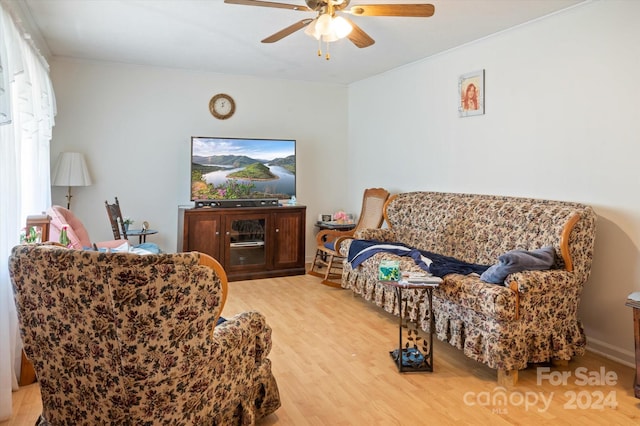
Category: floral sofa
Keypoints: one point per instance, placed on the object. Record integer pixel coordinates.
(119, 338)
(531, 317)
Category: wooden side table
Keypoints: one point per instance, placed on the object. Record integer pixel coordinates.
(635, 304)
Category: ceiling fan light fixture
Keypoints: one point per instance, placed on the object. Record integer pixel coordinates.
(327, 29)
(342, 27)
(312, 30)
(324, 24)
(331, 37)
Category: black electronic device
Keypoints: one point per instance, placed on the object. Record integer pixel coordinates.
(271, 202)
(225, 204)
(207, 203)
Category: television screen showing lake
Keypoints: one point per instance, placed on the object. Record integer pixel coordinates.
(227, 168)
(285, 183)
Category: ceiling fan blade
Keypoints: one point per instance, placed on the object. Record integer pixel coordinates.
(269, 4)
(411, 10)
(358, 36)
(287, 31)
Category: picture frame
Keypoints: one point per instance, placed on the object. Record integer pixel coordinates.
(471, 94)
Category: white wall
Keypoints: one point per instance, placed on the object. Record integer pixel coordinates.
(562, 122)
(135, 123)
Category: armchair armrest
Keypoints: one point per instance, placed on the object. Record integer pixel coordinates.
(330, 235)
(242, 371)
(244, 335)
(338, 244)
(547, 301)
(554, 281)
(378, 234)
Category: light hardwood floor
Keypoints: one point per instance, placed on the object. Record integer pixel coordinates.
(331, 360)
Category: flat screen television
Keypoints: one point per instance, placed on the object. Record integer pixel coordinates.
(236, 168)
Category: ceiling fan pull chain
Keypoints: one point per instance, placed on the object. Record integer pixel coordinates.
(328, 56)
(320, 46)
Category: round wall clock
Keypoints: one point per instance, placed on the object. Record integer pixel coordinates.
(222, 106)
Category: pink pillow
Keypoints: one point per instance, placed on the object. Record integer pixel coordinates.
(76, 231)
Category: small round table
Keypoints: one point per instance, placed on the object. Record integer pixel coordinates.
(141, 234)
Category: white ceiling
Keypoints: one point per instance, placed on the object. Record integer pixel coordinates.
(213, 36)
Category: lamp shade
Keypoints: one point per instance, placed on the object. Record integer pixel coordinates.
(71, 170)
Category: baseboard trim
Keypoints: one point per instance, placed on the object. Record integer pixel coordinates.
(611, 352)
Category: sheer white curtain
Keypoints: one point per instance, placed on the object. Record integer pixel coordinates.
(27, 109)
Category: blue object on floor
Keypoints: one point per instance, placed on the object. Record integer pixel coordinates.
(411, 357)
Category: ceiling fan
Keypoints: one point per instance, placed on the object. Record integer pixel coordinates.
(330, 26)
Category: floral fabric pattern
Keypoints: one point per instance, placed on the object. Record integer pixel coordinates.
(533, 318)
(127, 339)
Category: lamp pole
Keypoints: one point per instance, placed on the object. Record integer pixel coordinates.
(69, 198)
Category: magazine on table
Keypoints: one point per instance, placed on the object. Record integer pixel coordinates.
(419, 278)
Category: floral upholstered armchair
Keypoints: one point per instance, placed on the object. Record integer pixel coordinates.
(118, 338)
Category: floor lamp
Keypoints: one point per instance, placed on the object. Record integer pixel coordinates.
(70, 170)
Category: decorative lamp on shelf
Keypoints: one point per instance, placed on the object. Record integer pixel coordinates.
(70, 170)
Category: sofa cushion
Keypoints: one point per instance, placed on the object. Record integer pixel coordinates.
(491, 301)
(434, 263)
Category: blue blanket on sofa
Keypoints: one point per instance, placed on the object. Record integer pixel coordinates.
(436, 264)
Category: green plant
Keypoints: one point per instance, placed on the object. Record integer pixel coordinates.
(34, 235)
(231, 189)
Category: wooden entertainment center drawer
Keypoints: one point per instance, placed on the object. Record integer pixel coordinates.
(249, 242)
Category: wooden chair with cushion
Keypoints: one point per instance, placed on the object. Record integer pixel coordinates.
(327, 263)
(119, 338)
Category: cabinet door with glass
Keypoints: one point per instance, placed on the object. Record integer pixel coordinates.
(245, 242)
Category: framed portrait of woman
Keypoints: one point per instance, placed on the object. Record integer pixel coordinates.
(471, 94)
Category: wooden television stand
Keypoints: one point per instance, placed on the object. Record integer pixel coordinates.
(249, 242)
